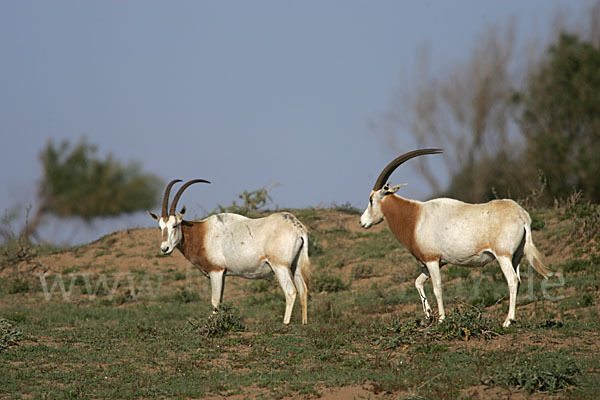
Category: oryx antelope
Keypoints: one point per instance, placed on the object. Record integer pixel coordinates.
(231, 244)
(446, 231)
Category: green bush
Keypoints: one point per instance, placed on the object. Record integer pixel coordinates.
(460, 324)
(224, 320)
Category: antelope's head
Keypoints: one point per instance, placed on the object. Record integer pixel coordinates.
(373, 214)
(169, 223)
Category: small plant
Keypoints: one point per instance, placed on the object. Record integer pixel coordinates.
(9, 335)
(222, 321)
(15, 248)
(253, 202)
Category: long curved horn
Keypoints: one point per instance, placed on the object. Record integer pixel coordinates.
(387, 171)
(180, 192)
(166, 198)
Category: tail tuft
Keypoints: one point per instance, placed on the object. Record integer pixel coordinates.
(534, 256)
(304, 264)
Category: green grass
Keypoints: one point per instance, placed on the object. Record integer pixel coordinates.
(366, 329)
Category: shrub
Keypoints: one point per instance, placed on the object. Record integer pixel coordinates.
(465, 324)
(225, 319)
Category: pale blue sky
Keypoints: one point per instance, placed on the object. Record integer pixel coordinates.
(242, 93)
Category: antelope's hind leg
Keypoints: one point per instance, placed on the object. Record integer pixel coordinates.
(284, 277)
(513, 285)
(303, 292)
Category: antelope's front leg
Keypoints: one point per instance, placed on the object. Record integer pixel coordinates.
(436, 280)
(419, 285)
(217, 284)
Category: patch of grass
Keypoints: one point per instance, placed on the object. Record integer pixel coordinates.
(540, 372)
(222, 321)
(328, 283)
(537, 222)
(579, 265)
(19, 285)
(453, 272)
(577, 301)
(362, 271)
(262, 285)
(585, 217)
(382, 299)
(184, 295)
(314, 245)
(347, 208)
(179, 276)
(9, 335)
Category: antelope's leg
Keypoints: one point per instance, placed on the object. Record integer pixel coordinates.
(217, 284)
(513, 285)
(436, 280)
(419, 285)
(284, 277)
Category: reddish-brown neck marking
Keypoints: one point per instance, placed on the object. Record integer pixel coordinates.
(193, 245)
(402, 216)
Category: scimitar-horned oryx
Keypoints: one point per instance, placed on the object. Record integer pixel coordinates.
(231, 244)
(446, 231)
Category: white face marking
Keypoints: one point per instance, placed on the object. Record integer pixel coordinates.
(373, 214)
(171, 233)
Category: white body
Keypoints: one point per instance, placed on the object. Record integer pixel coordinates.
(446, 231)
(231, 244)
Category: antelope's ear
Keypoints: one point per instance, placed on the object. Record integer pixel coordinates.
(394, 189)
(181, 213)
(154, 216)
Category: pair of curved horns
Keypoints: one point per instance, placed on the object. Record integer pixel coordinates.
(387, 171)
(177, 195)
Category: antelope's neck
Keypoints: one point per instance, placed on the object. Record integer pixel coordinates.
(401, 216)
(192, 238)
